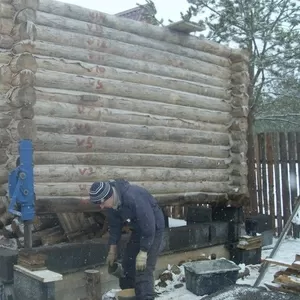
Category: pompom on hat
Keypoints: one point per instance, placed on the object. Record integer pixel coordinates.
(100, 192)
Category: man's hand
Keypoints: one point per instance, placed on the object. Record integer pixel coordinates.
(141, 261)
(112, 255)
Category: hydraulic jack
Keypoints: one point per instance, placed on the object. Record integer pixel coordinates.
(21, 190)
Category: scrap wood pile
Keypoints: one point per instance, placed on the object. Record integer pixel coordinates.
(47, 230)
(287, 280)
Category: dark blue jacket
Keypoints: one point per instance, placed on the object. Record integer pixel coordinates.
(138, 205)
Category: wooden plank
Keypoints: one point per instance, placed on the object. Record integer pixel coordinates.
(280, 263)
(258, 163)
(277, 182)
(270, 161)
(292, 173)
(284, 177)
(264, 174)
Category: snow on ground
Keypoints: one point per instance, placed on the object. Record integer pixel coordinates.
(289, 248)
(286, 253)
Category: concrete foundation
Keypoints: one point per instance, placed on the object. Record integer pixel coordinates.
(73, 284)
(35, 285)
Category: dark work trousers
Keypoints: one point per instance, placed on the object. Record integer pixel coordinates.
(141, 281)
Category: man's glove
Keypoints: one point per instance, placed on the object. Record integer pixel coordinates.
(112, 256)
(141, 261)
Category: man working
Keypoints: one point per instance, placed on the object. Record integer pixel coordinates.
(124, 201)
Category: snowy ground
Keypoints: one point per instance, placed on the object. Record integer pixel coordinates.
(286, 253)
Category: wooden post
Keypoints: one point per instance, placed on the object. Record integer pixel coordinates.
(93, 287)
(270, 162)
(277, 182)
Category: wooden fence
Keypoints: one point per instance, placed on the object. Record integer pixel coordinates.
(277, 175)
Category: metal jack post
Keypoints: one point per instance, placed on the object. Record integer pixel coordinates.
(21, 190)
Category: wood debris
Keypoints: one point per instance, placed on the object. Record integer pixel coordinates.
(250, 242)
(287, 280)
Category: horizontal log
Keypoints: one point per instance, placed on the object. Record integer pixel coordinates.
(122, 110)
(5, 1)
(4, 88)
(143, 132)
(149, 31)
(240, 124)
(3, 155)
(6, 41)
(106, 59)
(5, 74)
(50, 79)
(85, 69)
(80, 144)
(5, 119)
(24, 96)
(89, 42)
(3, 174)
(82, 189)
(6, 25)
(83, 173)
(95, 30)
(27, 129)
(3, 205)
(5, 56)
(240, 77)
(24, 78)
(5, 219)
(82, 204)
(23, 61)
(128, 159)
(4, 138)
(239, 55)
(6, 10)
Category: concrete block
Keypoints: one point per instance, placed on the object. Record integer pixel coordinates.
(8, 258)
(228, 214)
(35, 285)
(267, 237)
(198, 214)
(218, 233)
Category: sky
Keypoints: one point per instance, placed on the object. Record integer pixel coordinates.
(165, 8)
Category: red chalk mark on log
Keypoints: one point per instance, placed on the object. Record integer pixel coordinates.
(82, 127)
(83, 187)
(99, 69)
(96, 16)
(85, 109)
(87, 171)
(84, 201)
(88, 143)
(99, 85)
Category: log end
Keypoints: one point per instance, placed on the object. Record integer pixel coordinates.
(22, 62)
(24, 96)
(27, 129)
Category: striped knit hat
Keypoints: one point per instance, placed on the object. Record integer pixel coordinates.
(100, 192)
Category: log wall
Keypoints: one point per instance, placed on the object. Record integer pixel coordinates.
(105, 97)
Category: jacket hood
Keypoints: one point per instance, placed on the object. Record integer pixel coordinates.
(121, 185)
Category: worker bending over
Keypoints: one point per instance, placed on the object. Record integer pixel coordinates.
(124, 201)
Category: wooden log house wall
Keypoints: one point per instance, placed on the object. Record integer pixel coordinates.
(106, 97)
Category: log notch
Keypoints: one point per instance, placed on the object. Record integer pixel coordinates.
(239, 128)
